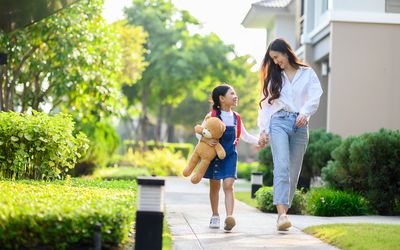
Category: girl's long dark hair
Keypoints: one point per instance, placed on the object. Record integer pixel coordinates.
(218, 91)
(270, 73)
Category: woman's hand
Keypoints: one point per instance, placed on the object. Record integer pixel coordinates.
(263, 140)
(210, 141)
(301, 121)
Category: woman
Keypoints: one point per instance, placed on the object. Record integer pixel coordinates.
(290, 95)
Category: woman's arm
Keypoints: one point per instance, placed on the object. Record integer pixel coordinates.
(314, 92)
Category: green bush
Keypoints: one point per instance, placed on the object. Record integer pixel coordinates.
(120, 173)
(266, 165)
(163, 162)
(184, 148)
(63, 215)
(245, 169)
(328, 202)
(317, 155)
(264, 198)
(38, 146)
(369, 165)
(104, 141)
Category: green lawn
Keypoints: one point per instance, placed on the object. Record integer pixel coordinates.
(167, 239)
(349, 236)
(246, 198)
(359, 236)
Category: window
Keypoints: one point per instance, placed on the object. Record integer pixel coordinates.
(324, 6)
(392, 6)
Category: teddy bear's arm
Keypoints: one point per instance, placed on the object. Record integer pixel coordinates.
(198, 129)
(220, 151)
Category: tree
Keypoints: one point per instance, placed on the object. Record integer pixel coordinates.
(179, 63)
(69, 61)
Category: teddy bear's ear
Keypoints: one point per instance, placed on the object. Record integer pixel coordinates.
(207, 117)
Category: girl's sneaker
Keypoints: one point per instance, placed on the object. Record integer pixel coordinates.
(229, 223)
(214, 222)
(283, 223)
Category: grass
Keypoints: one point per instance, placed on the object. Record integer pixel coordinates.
(359, 236)
(246, 198)
(167, 238)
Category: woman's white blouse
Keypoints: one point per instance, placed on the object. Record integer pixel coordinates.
(302, 95)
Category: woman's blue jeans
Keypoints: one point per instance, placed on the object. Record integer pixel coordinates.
(288, 145)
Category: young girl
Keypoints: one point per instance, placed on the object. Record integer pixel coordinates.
(224, 98)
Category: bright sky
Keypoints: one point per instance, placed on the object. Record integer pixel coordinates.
(222, 17)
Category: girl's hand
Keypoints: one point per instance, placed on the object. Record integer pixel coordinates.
(301, 120)
(210, 141)
(263, 140)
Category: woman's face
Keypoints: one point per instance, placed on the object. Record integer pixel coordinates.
(279, 58)
(230, 98)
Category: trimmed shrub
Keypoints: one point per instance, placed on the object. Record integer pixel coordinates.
(264, 198)
(161, 162)
(328, 202)
(369, 165)
(184, 148)
(266, 165)
(120, 173)
(63, 215)
(38, 146)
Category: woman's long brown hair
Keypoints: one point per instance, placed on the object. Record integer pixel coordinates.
(270, 73)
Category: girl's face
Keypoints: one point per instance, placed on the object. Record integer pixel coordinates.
(230, 99)
(279, 59)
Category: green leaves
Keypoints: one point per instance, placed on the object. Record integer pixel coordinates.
(38, 146)
(63, 214)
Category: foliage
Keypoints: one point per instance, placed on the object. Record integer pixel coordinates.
(318, 154)
(369, 164)
(38, 146)
(120, 173)
(184, 148)
(328, 202)
(244, 169)
(63, 215)
(68, 61)
(264, 198)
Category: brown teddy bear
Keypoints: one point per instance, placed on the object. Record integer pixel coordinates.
(213, 128)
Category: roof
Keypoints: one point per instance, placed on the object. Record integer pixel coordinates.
(273, 3)
(262, 12)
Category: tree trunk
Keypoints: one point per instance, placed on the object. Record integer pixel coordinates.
(36, 100)
(170, 127)
(1, 87)
(160, 120)
(143, 117)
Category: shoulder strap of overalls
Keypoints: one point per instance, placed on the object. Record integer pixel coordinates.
(238, 127)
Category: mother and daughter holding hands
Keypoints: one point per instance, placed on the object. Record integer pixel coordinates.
(290, 95)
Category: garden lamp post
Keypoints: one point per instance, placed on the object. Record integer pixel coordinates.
(149, 213)
(256, 182)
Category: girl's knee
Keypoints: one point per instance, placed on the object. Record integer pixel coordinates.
(228, 188)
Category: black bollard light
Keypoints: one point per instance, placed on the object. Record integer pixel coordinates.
(256, 182)
(150, 213)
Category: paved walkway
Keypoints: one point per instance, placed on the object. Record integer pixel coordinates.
(188, 214)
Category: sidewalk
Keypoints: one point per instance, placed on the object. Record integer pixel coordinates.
(188, 214)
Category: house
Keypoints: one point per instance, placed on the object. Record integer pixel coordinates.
(354, 47)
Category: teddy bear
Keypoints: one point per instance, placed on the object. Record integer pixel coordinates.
(213, 128)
